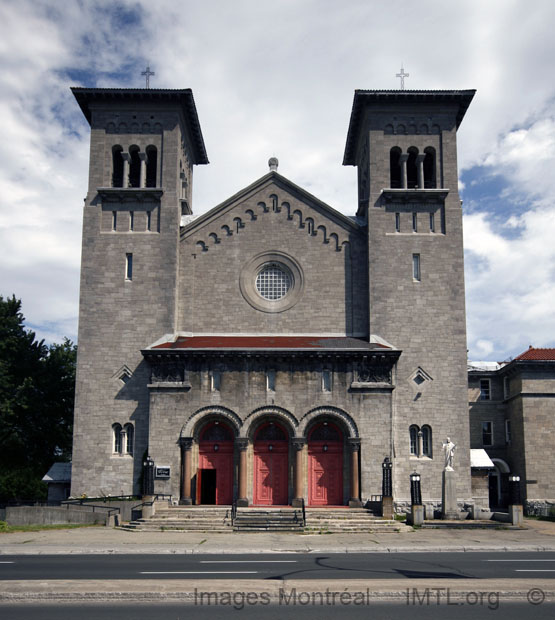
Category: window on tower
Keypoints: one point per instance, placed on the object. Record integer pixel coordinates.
(412, 173)
(430, 168)
(151, 166)
(395, 167)
(117, 166)
(134, 167)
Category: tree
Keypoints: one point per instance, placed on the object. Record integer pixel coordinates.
(37, 385)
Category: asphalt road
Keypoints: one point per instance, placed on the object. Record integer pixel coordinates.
(532, 565)
(375, 611)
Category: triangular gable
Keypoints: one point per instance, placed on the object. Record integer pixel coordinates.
(272, 178)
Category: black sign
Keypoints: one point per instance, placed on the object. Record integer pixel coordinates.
(162, 472)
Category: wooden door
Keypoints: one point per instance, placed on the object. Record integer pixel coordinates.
(325, 475)
(270, 474)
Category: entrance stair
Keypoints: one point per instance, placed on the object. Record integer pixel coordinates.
(215, 519)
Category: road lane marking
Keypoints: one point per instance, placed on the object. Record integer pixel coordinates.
(7, 562)
(198, 572)
(248, 561)
(533, 570)
(519, 560)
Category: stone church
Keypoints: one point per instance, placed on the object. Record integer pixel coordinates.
(271, 349)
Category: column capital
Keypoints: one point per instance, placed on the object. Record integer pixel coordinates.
(185, 443)
(420, 157)
(298, 443)
(403, 157)
(143, 156)
(242, 443)
(354, 444)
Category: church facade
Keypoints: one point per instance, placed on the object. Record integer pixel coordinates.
(271, 350)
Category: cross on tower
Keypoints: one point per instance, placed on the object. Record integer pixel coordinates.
(147, 73)
(402, 75)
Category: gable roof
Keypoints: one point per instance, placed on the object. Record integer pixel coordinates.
(265, 181)
(537, 354)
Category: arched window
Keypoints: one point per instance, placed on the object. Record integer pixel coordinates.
(134, 167)
(151, 166)
(426, 441)
(116, 438)
(325, 432)
(271, 432)
(129, 433)
(395, 167)
(117, 166)
(413, 435)
(412, 173)
(430, 168)
(216, 432)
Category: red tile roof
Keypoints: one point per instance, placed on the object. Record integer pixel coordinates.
(268, 342)
(537, 354)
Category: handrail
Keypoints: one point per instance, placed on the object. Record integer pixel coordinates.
(154, 499)
(233, 511)
(304, 512)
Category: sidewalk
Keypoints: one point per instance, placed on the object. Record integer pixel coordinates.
(538, 536)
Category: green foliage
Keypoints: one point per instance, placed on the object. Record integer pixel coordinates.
(37, 385)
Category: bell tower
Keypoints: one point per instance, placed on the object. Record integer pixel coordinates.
(144, 143)
(404, 146)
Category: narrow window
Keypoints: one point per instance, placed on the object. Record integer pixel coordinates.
(397, 222)
(271, 380)
(131, 220)
(326, 380)
(129, 440)
(215, 380)
(414, 223)
(413, 436)
(151, 166)
(485, 389)
(117, 166)
(129, 266)
(114, 220)
(416, 267)
(116, 438)
(427, 441)
(506, 387)
(134, 167)
(412, 173)
(429, 168)
(148, 220)
(395, 167)
(487, 433)
(508, 436)
(432, 222)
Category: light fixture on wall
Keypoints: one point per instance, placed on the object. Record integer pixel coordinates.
(216, 447)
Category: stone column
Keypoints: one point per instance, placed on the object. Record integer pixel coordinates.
(298, 445)
(242, 445)
(144, 159)
(403, 161)
(420, 444)
(354, 448)
(126, 161)
(185, 443)
(420, 169)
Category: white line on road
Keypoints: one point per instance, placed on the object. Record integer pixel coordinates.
(248, 561)
(197, 572)
(7, 562)
(531, 560)
(533, 570)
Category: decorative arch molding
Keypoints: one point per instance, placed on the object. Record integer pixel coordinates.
(346, 420)
(501, 465)
(280, 413)
(190, 426)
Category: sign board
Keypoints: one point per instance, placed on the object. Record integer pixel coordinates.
(162, 471)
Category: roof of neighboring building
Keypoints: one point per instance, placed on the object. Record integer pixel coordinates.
(484, 366)
(182, 97)
(363, 97)
(537, 354)
(268, 343)
(59, 472)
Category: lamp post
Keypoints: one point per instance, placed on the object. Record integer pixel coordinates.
(387, 489)
(148, 476)
(516, 512)
(417, 510)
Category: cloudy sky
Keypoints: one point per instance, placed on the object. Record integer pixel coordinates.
(277, 78)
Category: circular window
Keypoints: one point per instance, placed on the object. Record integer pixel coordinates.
(273, 281)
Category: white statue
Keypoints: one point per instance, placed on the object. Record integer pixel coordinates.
(449, 448)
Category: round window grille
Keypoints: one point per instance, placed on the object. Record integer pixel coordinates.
(273, 281)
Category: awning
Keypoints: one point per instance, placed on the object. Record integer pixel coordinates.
(479, 459)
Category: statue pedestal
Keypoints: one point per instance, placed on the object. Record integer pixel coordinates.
(449, 508)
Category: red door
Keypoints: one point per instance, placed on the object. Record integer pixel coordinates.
(215, 466)
(325, 466)
(271, 457)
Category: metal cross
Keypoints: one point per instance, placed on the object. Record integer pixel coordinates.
(401, 75)
(147, 73)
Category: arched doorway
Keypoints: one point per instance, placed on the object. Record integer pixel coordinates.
(325, 465)
(215, 465)
(499, 485)
(271, 457)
